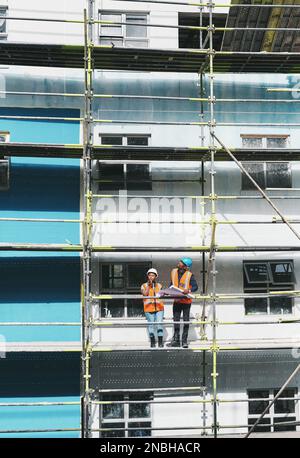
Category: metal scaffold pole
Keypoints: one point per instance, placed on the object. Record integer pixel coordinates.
(87, 225)
(212, 259)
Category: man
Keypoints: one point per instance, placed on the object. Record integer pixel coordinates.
(182, 278)
(153, 308)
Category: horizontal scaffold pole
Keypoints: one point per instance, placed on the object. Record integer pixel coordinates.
(39, 404)
(140, 324)
(215, 197)
(144, 122)
(18, 323)
(188, 401)
(213, 5)
(144, 249)
(280, 344)
(195, 27)
(200, 296)
(156, 97)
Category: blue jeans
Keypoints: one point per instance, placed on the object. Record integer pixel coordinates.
(152, 317)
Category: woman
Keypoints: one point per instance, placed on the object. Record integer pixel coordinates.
(153, 308)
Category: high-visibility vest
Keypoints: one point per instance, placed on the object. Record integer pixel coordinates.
(152, 305)
(184, 283)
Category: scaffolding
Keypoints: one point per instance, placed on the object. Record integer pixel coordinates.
(91, 56)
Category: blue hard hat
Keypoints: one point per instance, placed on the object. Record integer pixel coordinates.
(187, 261)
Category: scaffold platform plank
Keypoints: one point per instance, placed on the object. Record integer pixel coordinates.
(147, 153)
(154, 60)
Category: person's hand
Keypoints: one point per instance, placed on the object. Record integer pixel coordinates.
(186, 291)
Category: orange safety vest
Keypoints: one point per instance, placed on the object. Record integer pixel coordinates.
(152, 305)
(184, 283)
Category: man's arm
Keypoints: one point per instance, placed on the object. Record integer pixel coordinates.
(194, 285)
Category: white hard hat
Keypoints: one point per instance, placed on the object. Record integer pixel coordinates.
(152, 271)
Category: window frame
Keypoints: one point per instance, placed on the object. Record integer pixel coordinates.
(123, 33)
(268, 286)
(126, 419)
(126, 303)
(271, 414)
(264, 138)
(246, 184)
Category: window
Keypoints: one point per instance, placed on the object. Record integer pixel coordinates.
(3, 30)
(122, 278)
(133, 177)
(265, 277)
(264, 141)
(282, 411)
(267, 175)
(126, 415)
(130, 32)
(190, 38)
(125, 140)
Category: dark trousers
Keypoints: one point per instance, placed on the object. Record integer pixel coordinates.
(179, 308)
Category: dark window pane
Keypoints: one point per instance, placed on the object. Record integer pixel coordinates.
(256, 305)
(281, 305)
(277, 427)
(113, 308)
(107, 140)
(279, 142)
(139, 410)
(278, 175)
(112, 276)
(137, 274)
(257, 407)
(137, 141)
(256, 172)
(2, 138)
(110, 411)
(111, 172)
(285, 406)
(135, 308)
(262, 425)
(256, 273)
(139, 432)
(111, 176)
(282, 272)
(113, 433)
(4, 175)
(105, 273)
(138, 177)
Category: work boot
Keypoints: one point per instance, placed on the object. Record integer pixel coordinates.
(184, 340)
(175, 342)
(160, 342)
(184, 343)
(152, 341)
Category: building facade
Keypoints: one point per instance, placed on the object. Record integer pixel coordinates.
(149, 208)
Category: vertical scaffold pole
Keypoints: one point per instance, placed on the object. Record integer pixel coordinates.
(212, 148)
(87, 225)
(203, 257)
